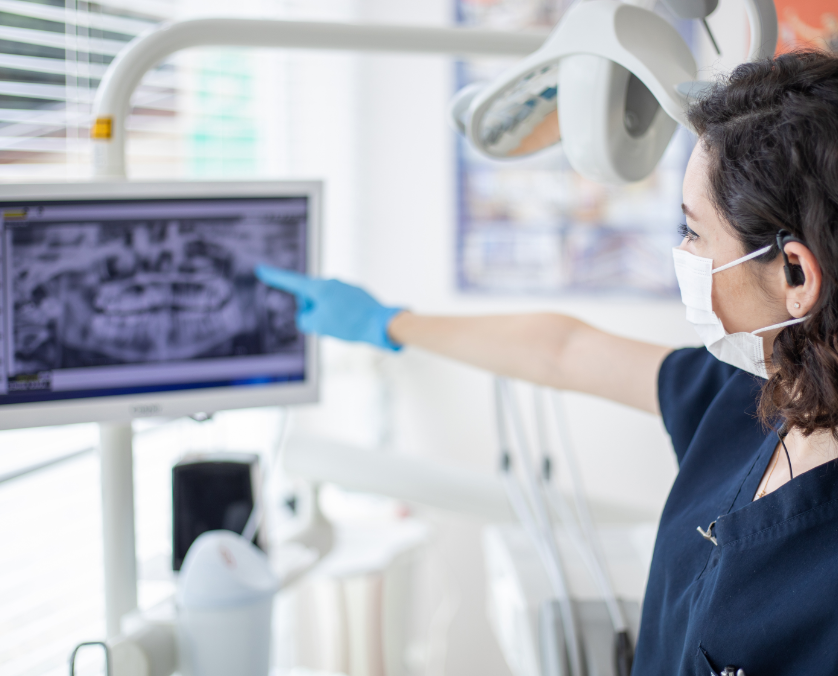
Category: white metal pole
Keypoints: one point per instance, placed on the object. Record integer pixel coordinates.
(112, 103)
(110, 110)
(115, 446)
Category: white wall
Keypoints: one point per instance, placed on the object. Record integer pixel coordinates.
(405, 234)
(403, 249)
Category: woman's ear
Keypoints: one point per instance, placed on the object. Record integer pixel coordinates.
(801, 299)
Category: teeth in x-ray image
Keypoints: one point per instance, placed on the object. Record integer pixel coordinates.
(99, 293)
(154, 318)
(159, 335)
(144, 293)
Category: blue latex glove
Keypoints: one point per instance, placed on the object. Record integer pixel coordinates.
(328, 307)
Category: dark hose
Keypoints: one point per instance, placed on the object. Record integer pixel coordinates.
(623, 654)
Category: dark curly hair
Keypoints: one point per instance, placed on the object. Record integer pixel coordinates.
(771, 132)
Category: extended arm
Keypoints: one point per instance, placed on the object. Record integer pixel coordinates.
(548, 349)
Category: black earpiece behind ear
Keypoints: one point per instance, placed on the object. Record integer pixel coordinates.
(794, 273)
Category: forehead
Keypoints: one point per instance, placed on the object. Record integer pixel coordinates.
(717, 239)
(695, 180)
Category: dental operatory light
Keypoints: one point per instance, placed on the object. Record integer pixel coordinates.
(611, 84)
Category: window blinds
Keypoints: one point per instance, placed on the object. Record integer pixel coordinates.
(53, 54)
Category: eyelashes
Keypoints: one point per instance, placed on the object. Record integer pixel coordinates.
(686, 232)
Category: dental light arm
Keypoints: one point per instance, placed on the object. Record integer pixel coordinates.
(112, 103)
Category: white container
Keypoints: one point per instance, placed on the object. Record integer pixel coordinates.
(224, 601)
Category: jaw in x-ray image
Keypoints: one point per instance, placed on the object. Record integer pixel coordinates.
(91, 294)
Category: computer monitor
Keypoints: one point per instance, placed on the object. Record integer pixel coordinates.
(122, 300)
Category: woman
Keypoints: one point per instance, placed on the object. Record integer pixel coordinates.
(745, 568)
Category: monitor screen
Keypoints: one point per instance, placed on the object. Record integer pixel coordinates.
(144, 294)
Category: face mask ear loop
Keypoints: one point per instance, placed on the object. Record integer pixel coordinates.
(781, 325)
(751, 255)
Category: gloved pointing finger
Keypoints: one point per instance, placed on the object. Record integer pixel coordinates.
(301, 286)
(329, 307)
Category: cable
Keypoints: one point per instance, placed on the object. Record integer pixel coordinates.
(442, 618)
(255, 518)
(103, 645)
(513, 490)
(624, 653)
(282, 437)
(783, 432)
(253, 521)
(554, 498)
(534, 517)
(597, 557)
(594, 564)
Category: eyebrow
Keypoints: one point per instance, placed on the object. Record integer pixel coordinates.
(687, 212)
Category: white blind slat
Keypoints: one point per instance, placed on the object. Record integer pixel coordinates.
(53, 57)
(154, 10)
(162, 76)
(149, 147)
(98, 21)
(55, 118)
(143, 98)
(45, 91)
(29, 36)
(40, 64)
(61, 118)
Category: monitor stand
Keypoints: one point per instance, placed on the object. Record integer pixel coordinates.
(117, 478)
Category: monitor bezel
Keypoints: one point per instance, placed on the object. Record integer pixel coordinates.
(124, 408)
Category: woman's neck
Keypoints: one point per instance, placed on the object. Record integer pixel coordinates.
(808, 452)
(805, 453)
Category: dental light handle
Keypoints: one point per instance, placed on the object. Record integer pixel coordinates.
(541, 528)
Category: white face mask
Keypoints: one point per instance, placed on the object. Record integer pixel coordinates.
(695, 277)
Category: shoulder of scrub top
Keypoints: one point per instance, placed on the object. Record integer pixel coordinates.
(688, 381)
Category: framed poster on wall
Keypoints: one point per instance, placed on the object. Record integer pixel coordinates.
(535, 226)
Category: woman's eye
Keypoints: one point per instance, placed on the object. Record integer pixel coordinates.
(687, 232)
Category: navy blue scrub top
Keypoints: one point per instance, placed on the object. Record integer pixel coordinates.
(765, 597)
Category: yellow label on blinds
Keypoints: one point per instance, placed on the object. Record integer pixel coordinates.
(102, 128)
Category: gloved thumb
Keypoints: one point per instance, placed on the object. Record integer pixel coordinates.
(305, 320)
